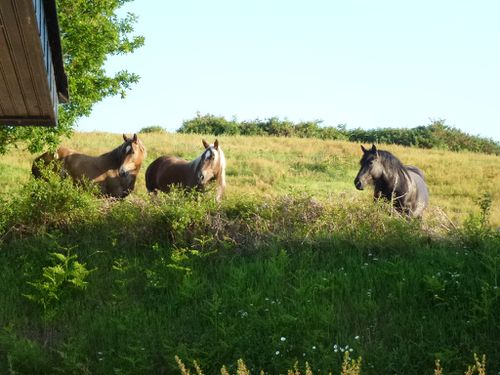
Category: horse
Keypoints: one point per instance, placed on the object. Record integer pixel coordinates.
(166, 171)
(114, 172)
(403, 185)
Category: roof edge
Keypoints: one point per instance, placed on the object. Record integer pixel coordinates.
(56, 50)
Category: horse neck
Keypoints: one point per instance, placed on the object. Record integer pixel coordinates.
(393, 182)
(111, 159)
(193, 166)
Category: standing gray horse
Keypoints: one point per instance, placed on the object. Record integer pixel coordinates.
(403, 185)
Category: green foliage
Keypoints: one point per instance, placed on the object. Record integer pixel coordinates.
(209, 124)
(64, 275)
(47, 202)
(435, 135)
(152, 129)
(273, 277)
(276, 281)
(20, 355)
(90, 33)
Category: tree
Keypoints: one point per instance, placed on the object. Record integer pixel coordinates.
(91, 31)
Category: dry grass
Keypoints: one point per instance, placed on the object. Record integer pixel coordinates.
(268, 166)
(349, 367)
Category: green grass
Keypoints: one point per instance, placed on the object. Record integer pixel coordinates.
(292, 263)
(269, 166)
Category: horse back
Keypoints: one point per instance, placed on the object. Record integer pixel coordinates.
(50, 157)
(413, 169)
(421, 193)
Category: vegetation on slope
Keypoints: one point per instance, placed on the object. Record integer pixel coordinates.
(436, 135)
(270, 166)
(99, 286)
(292, 266)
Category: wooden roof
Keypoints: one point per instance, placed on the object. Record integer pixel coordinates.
(32, 78)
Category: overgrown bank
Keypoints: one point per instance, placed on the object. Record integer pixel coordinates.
(96, 286)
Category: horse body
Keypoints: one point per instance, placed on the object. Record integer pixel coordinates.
(170, 170)
(114, 172)
(403, 185)
(167, 171)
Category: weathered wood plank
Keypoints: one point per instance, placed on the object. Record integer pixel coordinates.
(9, 73)
(30, 85)
(17, 49)
(34, 59)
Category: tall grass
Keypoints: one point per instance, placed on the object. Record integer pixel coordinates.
(122, 286)
(266, 167)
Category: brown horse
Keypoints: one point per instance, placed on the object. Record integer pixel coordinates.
(114, 172)
(170, 170)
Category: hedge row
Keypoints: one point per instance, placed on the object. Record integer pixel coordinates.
(435, 135)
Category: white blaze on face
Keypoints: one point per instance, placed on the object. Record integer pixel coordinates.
(129, 165)
(208, 154)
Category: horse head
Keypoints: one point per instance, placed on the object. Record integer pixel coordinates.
(371, 168)
(132, 153)
(211, 163)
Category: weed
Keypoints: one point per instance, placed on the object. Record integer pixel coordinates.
(64, 275)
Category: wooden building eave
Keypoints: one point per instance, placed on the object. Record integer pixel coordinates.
(32, 78)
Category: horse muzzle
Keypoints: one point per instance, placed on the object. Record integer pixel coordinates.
(358, 184)
(201, 179)
(122, 172)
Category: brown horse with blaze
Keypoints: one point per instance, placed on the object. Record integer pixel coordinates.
(167, 171)
(114, 172)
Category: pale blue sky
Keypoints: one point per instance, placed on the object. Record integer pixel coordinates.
(363, 63)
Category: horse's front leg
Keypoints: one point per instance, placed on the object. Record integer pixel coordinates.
(221, 186)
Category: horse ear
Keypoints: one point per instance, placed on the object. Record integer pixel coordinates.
(216, 144)
(205, 143)
(363, 149)
(134, 138)
(374, 149)
(124, 137)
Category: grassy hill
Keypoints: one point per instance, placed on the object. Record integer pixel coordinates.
(269, 166)
(294, 265)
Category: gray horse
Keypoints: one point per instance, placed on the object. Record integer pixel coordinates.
(403, 185)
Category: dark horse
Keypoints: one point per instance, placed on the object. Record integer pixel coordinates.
(114, 172)
(403, 185)
(170, 170)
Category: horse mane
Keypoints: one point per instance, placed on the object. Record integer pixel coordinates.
(116, 155)
(397, 174)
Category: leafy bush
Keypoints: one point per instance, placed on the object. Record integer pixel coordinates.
(65, 274)
(50, 201)
(209, 124)
(435, 135)
(152, 129)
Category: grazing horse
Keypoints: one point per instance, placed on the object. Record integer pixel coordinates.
(114, 172)
(403, 185)
(170, 170)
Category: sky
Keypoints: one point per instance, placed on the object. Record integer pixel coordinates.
(362, 63)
